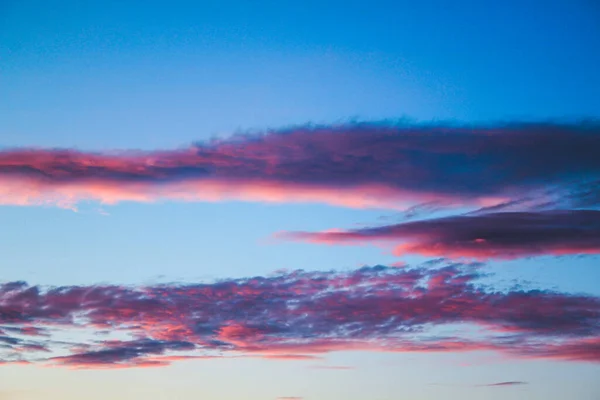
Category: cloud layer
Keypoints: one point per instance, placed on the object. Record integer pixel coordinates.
(504, 235)
(293, 316)
(358, 165)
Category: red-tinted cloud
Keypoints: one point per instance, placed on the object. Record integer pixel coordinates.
(504, 235)
(356, 165)
(295, 315)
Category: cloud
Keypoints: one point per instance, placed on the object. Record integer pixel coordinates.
(297, 315)
(293, 357)
(504, 235)
(290, 398)
(117, 353)
(508, 383)
(495, 384)
(355, 165)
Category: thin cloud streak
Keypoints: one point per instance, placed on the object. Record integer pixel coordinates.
(495, 384)
(508, 383)
(354, 165)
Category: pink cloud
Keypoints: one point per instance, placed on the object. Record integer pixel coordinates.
(354, 165)
(295, 315)
(504, 235)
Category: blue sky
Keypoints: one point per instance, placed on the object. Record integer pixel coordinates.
(97, 76)
(101, 75)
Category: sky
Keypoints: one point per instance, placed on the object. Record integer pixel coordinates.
(299, 200)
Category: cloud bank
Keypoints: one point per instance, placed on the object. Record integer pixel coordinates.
(504, 235)
(297, 315)
(356, 165)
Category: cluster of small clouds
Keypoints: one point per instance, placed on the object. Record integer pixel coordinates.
(297, 315)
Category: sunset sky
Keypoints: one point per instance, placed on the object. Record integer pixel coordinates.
(358, 200)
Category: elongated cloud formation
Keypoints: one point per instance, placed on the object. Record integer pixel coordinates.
(356, 165)
(495, 384)
(495, 235)
(509, 383)
(292, 316)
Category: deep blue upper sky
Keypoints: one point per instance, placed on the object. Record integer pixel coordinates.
(97, 75)
(105, 74)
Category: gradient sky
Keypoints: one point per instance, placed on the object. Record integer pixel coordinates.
(96, 77)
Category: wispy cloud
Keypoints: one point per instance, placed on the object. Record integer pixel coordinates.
(508, 383)
(357, 165)
(297, 315)
(503, 235)
(495, 384)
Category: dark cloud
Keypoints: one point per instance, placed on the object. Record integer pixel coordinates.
(296, 315)
(352, 164)
(493, 235)
(117, 353)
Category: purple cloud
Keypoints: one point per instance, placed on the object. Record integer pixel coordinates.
(495, 235)
(357, 165)
(128, 353)
(297, 315)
